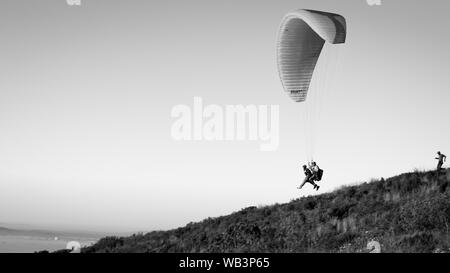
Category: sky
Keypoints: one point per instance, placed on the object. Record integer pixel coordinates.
(86, 94)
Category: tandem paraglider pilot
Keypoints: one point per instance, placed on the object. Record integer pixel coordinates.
(312, 173)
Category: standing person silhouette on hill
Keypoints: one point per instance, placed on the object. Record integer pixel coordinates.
(441, 159)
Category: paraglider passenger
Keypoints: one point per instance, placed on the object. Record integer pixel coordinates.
(308, 176)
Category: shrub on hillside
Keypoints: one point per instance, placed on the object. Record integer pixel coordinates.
(416, 242)
(424, 214)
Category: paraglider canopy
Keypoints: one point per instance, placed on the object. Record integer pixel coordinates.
(301, 37)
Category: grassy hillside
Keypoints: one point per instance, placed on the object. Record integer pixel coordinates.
(406, 213)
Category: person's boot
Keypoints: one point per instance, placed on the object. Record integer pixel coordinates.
(317, 187)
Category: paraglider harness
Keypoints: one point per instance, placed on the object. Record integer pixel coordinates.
(319, 174)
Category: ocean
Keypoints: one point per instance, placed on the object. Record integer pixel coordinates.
(31, 244)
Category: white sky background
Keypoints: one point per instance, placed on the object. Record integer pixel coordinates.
(86, 95)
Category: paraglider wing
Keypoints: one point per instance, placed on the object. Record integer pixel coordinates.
(301, 37)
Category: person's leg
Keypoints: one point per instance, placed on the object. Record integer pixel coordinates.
(304, 182)
(439, 166)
